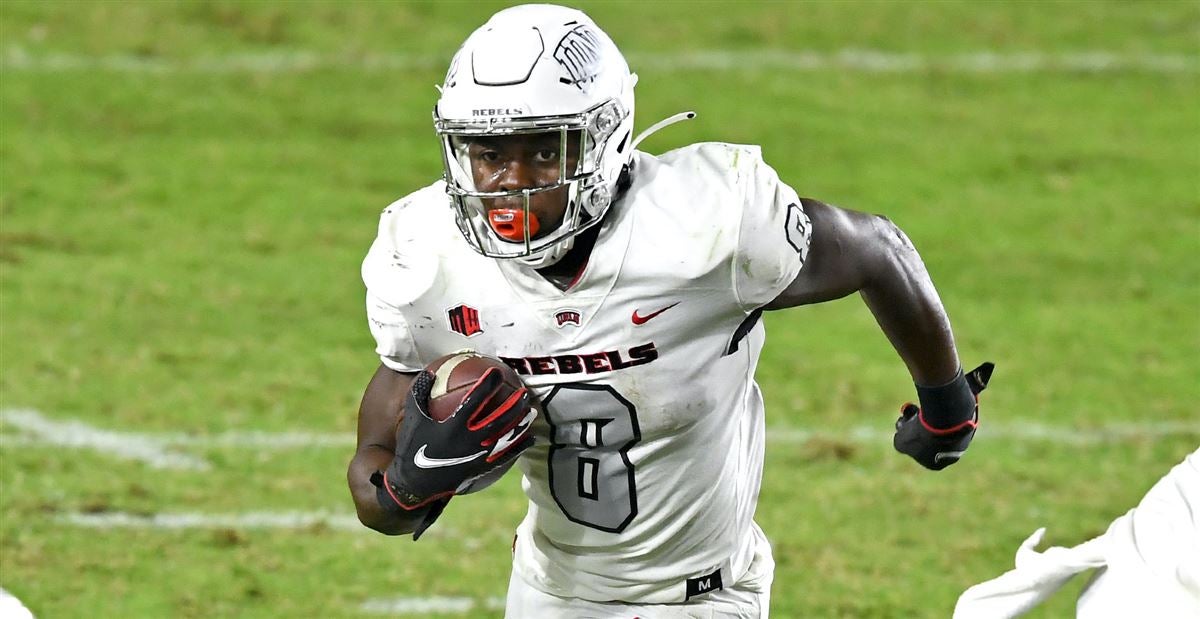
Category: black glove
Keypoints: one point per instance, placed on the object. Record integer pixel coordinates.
(937, 433)
(423, 516)
(434, 460)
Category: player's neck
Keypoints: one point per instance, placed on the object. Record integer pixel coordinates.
(564, 273)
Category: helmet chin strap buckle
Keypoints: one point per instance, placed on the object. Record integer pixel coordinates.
(510, 223)
(599, 199)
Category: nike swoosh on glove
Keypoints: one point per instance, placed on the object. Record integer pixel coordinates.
(488, 431)
(937, 433)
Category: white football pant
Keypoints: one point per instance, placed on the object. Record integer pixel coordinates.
(749, 598)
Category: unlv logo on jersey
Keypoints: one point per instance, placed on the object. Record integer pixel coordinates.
(567, 317)
(579, 53)
(465, 320)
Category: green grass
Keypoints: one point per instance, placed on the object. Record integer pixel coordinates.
(179, 252)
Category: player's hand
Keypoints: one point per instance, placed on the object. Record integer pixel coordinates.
(937, 433)
(489, 429)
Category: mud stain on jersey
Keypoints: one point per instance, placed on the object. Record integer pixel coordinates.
(747, 266)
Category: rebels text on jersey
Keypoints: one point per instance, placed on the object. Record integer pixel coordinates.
(648, 461)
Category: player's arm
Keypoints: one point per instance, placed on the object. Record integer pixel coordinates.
(378, 415)
(857, 252)
(396, 488)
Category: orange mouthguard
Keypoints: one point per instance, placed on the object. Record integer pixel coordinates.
(509, 223)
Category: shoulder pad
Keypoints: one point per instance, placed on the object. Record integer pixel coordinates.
(718, 154)
(402, 263)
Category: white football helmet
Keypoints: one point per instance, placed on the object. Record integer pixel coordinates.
(537, 69)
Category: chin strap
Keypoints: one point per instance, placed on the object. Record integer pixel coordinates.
(662, 124)
(550, 257)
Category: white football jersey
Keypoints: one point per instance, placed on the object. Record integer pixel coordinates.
(643, 482)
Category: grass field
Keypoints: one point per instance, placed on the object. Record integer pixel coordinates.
(187, 189)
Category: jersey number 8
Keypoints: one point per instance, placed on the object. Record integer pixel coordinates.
(592, 428)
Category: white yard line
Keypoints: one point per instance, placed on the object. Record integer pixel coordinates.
(1028, 431)
(876, 61)
(432, 604)
(30, 428)
(245, 521)
(34, 429)
(38, 428)
(260, 440)
(16, 58)
(41, 430)
(192, 520)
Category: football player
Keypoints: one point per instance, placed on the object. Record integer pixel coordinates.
(1147, 562)
(626, 289)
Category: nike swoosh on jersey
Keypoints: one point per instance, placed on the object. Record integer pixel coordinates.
(426, 462)
(518, 433)
(639, 320)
